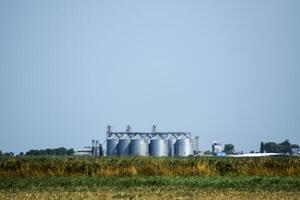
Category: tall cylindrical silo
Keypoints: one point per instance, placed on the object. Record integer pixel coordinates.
(124, 146)
(158, 147)
(139, 146)
(112, 146)
(183, 146)
(171, 145)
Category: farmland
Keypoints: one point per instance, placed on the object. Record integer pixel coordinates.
(72, 166)
(149, 178)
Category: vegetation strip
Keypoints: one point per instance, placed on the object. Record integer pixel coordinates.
(146, 166)
(153, 193)
(239, 183)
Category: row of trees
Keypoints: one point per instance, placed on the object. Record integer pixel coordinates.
(62, 151)
(6, 153)
(268, 147)
(272, 147)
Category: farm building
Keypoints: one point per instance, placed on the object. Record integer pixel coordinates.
(152, 143)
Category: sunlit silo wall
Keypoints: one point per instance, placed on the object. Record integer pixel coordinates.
(171, 145)
(112, 146)
(183, 146)
(139, 147)
(124, 146)
(158, 147)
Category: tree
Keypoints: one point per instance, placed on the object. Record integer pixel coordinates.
(100, 150)
(262, 149)
(70, 152)
(32, 153)
(229, 148)
(272, 147)
(60, 151)
(294, 146)
(21, 154)
(286, 143)
(1, 153)
(8, 154)
(51, 152)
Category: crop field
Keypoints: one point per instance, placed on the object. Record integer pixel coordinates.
(72, 166)
(157, 193)
(149, 178)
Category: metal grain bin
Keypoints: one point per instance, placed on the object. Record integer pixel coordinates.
(139, 146)
(124, 146)
(171, 145)
(183, 146)
(112, 146)
(158, 147)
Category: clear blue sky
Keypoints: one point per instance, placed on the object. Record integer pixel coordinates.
(223, 70)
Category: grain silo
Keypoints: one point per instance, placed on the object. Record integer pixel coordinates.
(124, 145)
(131, 143)
(158, 147)
(183, 146)
(112, 146)
(171, 144)
(139, 146)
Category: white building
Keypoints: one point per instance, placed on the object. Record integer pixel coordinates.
(216, 147)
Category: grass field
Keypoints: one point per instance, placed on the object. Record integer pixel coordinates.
(150, 187)
(148, 193)
(149, 166)
(149, 178)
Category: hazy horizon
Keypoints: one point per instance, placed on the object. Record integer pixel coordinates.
(222, 70)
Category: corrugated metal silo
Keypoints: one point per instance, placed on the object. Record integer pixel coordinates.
(124, 146)
(139, 146)
(183, 146)
(158, 147)
(171, 145)
(112, 146)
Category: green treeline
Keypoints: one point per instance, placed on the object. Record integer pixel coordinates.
(272, 147)
(52, 152)
(6, 153)
(147, 166)
(62, 151)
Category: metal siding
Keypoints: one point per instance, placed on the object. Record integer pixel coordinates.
(158, 147)
(171, 146)
(112, 147)
(139, 147)
(124, 147)
(184, 147)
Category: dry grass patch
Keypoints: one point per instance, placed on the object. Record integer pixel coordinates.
(155, 193)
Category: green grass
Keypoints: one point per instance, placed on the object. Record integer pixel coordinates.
(41, 178)
(148, 166)
(218, 182)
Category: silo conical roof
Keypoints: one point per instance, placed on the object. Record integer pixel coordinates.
(182, 137)
(156, 137)
(113, 137)
(170, 137)
(125, 136)
(137, 137)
